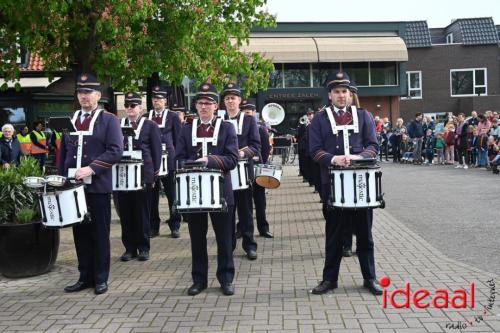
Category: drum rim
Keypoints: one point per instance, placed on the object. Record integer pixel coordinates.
(197, 170)
(351, 167)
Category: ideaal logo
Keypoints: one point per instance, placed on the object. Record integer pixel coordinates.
(422, 298)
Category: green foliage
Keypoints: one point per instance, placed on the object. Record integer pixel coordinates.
(25, 215)
(14, 195)
(124, 41)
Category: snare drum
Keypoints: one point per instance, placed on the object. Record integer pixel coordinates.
(163, 165)
(127, 175)
(34, 182)
(268, 176)
(240, 179)
(63, 208)
(199, 190)
(356, 187)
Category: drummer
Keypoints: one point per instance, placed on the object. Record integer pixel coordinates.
(249, 147)
(223, 156)
(259, 193)
(102, 147)
(326, 148)
(135, 206)
(170, 127)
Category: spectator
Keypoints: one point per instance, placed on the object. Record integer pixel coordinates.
(39, 147)
(384, 144)
(439, 144)
(474, 120)
(429, 143)
(10, 149)
(461, 141)
(474, 146)
(449, 148)
(482, 148)
(396, 139)
(483, 123)
(495, 129)
(416, 133)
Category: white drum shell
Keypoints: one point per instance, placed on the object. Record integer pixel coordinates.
(268, 170)
(163, 165)
(127, 176)
(365, 195)
(71, 212)
(239, 176)
(193, 191)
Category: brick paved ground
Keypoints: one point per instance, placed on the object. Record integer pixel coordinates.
(272, 293)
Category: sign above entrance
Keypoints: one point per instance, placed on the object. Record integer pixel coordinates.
(293, 96)
(273, 114)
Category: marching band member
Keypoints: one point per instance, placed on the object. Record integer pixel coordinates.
(326, 148)
(170, 127)
(102, 147)
(259, 192)
(249, 146)
(223, 156)
(135, 206)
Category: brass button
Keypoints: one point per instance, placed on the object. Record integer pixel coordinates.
(85, 156)
(74, 156)
(350, 147)
(337, 147)
(349, 134)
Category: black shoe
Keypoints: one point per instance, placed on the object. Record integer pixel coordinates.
(227, 289)
(127, 256)
(373, 286)
(252, 254)
(324, 286)
(154, 234)
(196, 288)
(175, 234)
(347, 252)
(101, 288)
(167, 221)
(267, 234)
(238, 234)
(79, 286)
(143, 255)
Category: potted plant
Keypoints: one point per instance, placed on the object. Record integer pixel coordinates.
(27, 248)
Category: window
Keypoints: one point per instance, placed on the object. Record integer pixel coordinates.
(276, 77)
(297, 75)
(449, 38)
(14, 115)
(321, 72)
(414, 83)
(468, 82)
(358, 72)
(383, 73)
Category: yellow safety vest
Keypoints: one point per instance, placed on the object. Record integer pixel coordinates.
(25, 142)
(41, 140)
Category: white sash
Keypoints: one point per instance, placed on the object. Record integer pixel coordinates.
(163, 117)
(238, 124)
(90, 131)
(139, 126)
(204, 141)
(335, 128)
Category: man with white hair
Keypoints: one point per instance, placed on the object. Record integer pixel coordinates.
(10, 149)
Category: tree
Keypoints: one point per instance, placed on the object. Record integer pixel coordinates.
(124, 41)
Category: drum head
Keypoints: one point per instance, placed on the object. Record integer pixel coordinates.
(55, 180)
(267, 182)
(34, 182)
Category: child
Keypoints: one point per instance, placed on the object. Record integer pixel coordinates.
(473, 147)
(429, 146)
(439, 148)
(449, 149)
(482, 148)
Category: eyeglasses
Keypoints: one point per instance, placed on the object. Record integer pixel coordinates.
(130, 105)
(205, 103)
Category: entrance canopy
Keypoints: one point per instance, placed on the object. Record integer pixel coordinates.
(328, 49)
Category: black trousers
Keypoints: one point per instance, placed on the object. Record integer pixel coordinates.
(259, 199)
(168, 183)
(303, 162)
(244, 206)
(92, 240)
(135, 207)
(336, 223)
(198, 227)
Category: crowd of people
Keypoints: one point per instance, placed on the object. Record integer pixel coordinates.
(471, 142)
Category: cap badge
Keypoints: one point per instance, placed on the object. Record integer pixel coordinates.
(340, 75)
(83, 78)
(205, 87)
(130, 95)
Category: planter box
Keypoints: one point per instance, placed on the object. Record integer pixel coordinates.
(27, 249)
